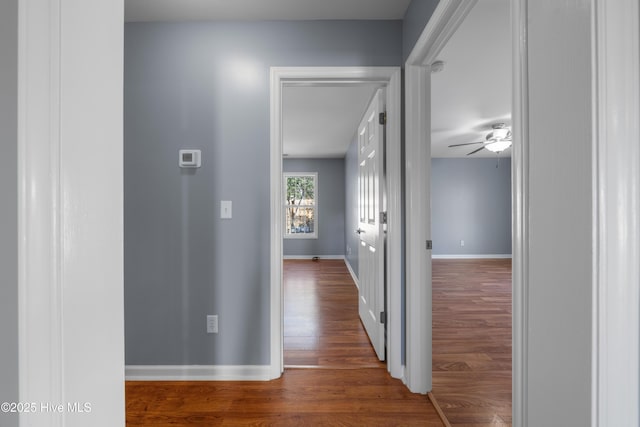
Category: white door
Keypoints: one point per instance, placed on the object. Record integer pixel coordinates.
(371, 251)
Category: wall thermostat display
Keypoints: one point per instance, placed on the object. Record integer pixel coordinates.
(189, 159)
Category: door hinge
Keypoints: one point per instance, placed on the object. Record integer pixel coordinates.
(429, 244)
(382, 118)
(383, 317)
(383, 217)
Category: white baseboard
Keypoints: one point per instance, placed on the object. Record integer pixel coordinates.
(313, 256)
(197, 373)
(353, 274)
(472, 256)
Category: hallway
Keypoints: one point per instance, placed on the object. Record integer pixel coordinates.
(337, 379)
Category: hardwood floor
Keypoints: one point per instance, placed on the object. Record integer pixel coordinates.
(347, 387)
(321, 322)
(472, 341)
(301, 397)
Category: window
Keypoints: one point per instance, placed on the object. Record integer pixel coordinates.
(301, 205)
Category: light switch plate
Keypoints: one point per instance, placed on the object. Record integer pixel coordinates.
(225, 209)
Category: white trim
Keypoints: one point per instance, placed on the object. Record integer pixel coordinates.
(520, 212)
(276, 327)
(418, 259)
(389, 76)
(41, 367)
(616, 213)
(472, 256)
(353, 274)
(321, 257)
(394, 267)
(443, 23)
(198, 373)
(70, 245)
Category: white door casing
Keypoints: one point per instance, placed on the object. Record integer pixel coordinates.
(386, 76)
(446, 19)
(616, 175)
(70, 209)
(616, 223)
(371, 252)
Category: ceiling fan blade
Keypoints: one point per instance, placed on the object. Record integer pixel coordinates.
(466, 143)
(475, 151)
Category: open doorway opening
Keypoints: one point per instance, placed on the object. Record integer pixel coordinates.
(462, 75)
(322, 327)
(471, 100)
(282, 79)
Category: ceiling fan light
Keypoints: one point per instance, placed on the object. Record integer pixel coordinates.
(498, 146)
(500, 133)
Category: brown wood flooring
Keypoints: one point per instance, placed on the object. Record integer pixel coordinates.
(472, 341)
(346, 387)
(321, 322)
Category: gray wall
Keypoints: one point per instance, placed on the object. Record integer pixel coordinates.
(9, 207)
(331, 208)
(415, 19)
(471, 201)
(351, 205)
(206, 86)
(560, 220)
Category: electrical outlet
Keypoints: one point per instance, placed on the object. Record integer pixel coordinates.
(461, 242)
(212, 324)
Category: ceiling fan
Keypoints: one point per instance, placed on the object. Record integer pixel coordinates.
(499, 139)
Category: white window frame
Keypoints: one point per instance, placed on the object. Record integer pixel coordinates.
(315, 206)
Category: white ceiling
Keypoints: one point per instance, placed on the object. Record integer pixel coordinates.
(474, 89)
(243, 10)
(322, 121)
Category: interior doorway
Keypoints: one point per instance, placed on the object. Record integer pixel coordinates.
(282, 78)
(321, 141)
(423, 69)
(471, 218)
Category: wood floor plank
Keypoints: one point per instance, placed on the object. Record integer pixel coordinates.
(472, 341)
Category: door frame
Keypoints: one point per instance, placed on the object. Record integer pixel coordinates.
(444, 22)
(615, 382)
(70, 210)
(312, 76)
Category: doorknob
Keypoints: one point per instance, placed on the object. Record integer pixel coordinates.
(359, 231)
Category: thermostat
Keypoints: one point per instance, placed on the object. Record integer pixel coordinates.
(189, 159)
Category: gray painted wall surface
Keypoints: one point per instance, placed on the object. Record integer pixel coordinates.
(9, 362)
(471, 201)
(415, 19)
(206, 86)
(331, 207)
(559, 306)
(351, 205)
